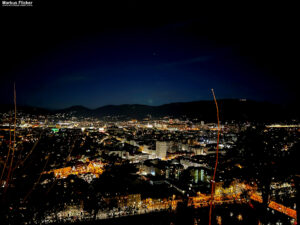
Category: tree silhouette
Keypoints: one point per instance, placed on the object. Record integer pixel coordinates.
(257, 159)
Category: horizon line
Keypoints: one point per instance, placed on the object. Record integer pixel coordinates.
(94, 108)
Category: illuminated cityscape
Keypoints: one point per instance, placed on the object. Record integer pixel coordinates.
(100, 170)
(145, 112)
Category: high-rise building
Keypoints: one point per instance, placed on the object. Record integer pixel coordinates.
(161, 149)
(202, 175)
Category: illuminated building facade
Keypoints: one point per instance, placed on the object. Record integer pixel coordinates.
(161, 149)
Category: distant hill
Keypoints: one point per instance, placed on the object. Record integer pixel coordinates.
(230, 109)
(77, 110)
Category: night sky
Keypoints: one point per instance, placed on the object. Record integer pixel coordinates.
(80, 53)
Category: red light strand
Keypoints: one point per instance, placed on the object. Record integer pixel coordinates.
(216, 164)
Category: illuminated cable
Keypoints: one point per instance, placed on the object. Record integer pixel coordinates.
(216, 164)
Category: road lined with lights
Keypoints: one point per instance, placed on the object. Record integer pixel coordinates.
(278, 207)
(204, 200)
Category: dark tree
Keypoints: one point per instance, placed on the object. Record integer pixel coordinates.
(258, 159)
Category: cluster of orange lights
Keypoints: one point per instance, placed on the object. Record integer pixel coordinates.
(202, 200)
(160, 204)
(278, 207)
(92, 167)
